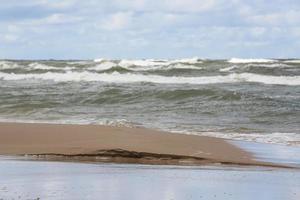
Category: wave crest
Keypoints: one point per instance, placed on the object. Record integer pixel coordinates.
(250, 60)
(117, 77)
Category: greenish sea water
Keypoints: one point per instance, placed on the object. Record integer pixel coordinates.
(246, 99)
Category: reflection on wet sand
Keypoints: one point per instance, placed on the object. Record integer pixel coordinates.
(65, 180)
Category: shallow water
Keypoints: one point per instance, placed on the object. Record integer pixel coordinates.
(20, 179)
(279, 154)
(255, 100)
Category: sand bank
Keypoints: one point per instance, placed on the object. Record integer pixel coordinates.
(117, 144)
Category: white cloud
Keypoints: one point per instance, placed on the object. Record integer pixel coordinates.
(189, 5)
(10, 38)
(284, 18)
(181, 26)
(117, 21)
(258, 31)
(167, 5)
(53, 19)
(57, 3)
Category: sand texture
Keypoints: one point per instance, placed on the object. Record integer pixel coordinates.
(117, 144)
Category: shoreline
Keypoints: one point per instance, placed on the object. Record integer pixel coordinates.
(98, 143)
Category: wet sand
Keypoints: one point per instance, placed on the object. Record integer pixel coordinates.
(117, 144)
(66, 180)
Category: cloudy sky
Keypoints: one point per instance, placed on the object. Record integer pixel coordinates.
(87, 29)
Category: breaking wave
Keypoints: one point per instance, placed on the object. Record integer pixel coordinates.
(241, 60)
(117, 77)
(292, 61)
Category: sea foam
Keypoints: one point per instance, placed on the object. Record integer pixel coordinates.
(292, 61)
(116, 77)
(259, 60)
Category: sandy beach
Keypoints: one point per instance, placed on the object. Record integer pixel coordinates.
(119, 145)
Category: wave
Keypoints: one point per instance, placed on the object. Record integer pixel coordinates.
(227, 69)
(117, 77)
(99, 59)
(102, 66)
(292, 61)
(258, 65)
(210, 94)
(259, 60)
(161, 62)
(87, 121)
(146, 65)
(106, 65)
(8, 65)
(152, 62)
(271, 65)
(271, 138)
(194, 60)
(41, 66)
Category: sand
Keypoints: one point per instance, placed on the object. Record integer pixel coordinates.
(117, 144)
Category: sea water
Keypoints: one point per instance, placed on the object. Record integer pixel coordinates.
(244, 99)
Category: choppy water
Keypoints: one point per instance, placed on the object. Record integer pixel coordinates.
(247, 99)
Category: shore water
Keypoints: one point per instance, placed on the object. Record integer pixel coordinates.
(21, 179)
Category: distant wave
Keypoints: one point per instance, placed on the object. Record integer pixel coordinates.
(116, 77)
(36, 65)
(8, 65)
(270, 65)
(103, 66)
(152, 62)
(292, 61)
(227, 69)
(147, 65)
(241, 60)
(254, 65)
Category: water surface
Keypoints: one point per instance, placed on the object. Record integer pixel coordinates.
(246, 99)
(21, 179)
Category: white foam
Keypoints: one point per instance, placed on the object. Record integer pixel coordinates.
(292, 61)
(194, 60)
(152, 64)
(265, 65)
(181, 66)
(79, 62)
(272, 80)
(8, 65)
(142, 63)
(41, 66)
(251, 60)
(103, 66)
(116, 77)
(85, 121)
(270, 65)
(99, 59)
(272, 138)
(227, 69)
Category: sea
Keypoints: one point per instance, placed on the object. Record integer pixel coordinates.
(240, 99)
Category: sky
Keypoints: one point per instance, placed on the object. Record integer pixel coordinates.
(135, 29)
